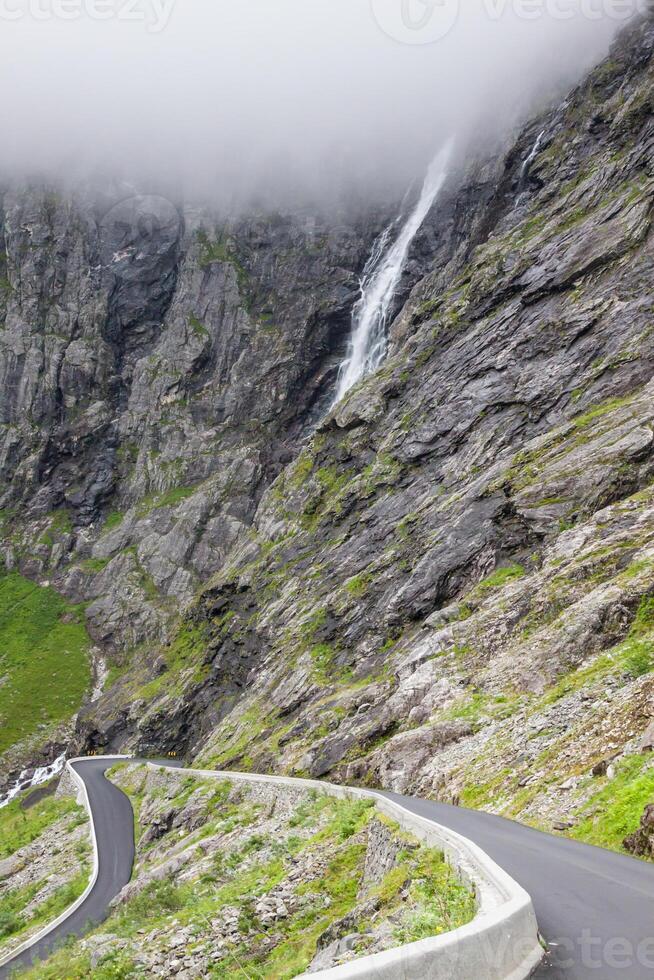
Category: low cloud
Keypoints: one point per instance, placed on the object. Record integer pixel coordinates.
(270, 98)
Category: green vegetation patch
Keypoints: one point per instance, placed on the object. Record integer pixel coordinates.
(634, 658)
(358, 585)
(31, 903)
(19, 827)
(615, 810)
(44, 663)
(114, 520)
(185, 661)
(323, 657)
(501, 577)
(76, 965)
(95, 565)
(437, 900)
(237, 735)
(602, 410)
(60, 526)
(197, 327)
(13, 918)
(222, 250)
(212, 251)
(479, 706)
(169, 498)
(329, 483)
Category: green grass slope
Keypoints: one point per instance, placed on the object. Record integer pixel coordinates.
(44, 662)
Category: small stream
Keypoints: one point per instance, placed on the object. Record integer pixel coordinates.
(41, 775)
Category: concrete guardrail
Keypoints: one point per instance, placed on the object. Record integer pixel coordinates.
(501, 943)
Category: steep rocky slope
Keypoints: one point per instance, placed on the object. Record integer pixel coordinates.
(158, 369)
(450, 589)
(144, 350)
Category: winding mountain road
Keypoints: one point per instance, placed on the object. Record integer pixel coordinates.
(114, 828)
(595, 908)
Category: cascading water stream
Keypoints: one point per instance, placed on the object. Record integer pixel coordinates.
(526, 167)
(39, 776)
(381, 277)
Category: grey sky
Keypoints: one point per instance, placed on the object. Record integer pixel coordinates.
(275, 94)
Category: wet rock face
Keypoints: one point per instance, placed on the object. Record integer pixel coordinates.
(159, 367)
(139, 252)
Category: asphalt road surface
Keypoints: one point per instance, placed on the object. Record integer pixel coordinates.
(595, 908)
(114, 827)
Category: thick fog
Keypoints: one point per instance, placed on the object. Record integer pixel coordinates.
(270, 97)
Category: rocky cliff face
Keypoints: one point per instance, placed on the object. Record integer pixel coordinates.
(449, 588)
(448, 591)
(158, 370)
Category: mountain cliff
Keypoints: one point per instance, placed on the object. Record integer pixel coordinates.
(159, 368)
(444, 584)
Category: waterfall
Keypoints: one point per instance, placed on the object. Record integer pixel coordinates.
(381, 277)
(535, 150)
(40, 775)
